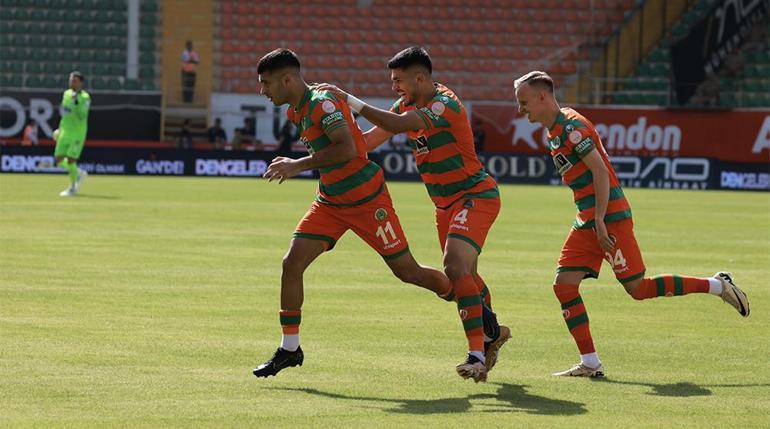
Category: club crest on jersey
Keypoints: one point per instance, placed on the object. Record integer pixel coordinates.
(444, 99)
(328, 107)
(565, 313)
(575, 136)
(569, 128)
(555, 143)
(380, 214)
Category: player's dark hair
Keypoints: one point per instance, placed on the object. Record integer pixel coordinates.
(78, 75)
(535, 78)
(411, 56)
(278, 59)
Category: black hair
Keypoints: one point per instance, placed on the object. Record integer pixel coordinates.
(78, 75)
(411, 56)
(278, 59)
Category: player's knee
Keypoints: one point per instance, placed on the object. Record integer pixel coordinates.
(405, 275)
(455, 271)
(292, 265)
(635, 291)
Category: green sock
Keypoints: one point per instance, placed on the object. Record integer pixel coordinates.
(72, 167)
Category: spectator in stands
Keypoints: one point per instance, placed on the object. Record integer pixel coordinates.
(237, 140)
(734, 64)
(190, 61)
(30, 134)
(217, 134)
(707, 93)
(479, 136)
(185, 140)
(286, 138)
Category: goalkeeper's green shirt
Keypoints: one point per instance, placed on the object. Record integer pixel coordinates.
(74, 116)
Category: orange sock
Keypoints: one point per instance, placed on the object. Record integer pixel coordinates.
(575, 315)
(469, 307)
(669, 285)
(483, 290)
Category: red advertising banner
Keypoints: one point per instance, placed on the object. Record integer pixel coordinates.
(734, 136)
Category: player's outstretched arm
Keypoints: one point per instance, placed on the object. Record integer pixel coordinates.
(341, 149)
(375, 137)
(392, 122)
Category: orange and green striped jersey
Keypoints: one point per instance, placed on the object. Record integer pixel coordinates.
(571, 138)
(444, 152)
(348, 183)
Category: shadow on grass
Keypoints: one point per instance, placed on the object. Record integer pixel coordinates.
(101, 197)
(509, 397)
(681, 389)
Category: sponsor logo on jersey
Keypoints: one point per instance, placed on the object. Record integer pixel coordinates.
(332, 118)
(555, 143)
(468, 204)
(569, 128)
(562, 163)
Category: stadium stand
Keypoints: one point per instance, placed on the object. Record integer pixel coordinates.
(743, 82)
(43, 40)
(477, 45)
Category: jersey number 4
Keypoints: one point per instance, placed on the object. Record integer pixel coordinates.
(461, 217)
(381, 233)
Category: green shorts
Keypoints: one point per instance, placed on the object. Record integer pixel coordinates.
(69, 148)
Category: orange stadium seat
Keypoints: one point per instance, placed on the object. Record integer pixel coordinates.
(489, 41)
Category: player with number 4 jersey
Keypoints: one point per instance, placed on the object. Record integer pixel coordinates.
(604, 227)
(466, 198)
(351, 196)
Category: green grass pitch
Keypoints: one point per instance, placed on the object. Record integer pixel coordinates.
(146, 302)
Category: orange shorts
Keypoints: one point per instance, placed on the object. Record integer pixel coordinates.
(581, 252)
(374, 221)
(468, 219)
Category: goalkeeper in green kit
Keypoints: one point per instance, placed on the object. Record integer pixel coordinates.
(71, 134)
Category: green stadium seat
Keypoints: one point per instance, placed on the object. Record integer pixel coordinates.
(33, 82)
(101, 69)
(146, 72)
(147, 31)
(119, 5)
(119, 16)
(148, 19)
(117, 43)
(113, 84)
(38, 15)
(6, 14)
(118, 69)
(727, 99)
(21, 14)
(5, 66)
(51, 82)
(117, 56)
(147, 45)
(17, 67)
(147, 58)
(149, 6)
(148, 86)
(131, 85)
